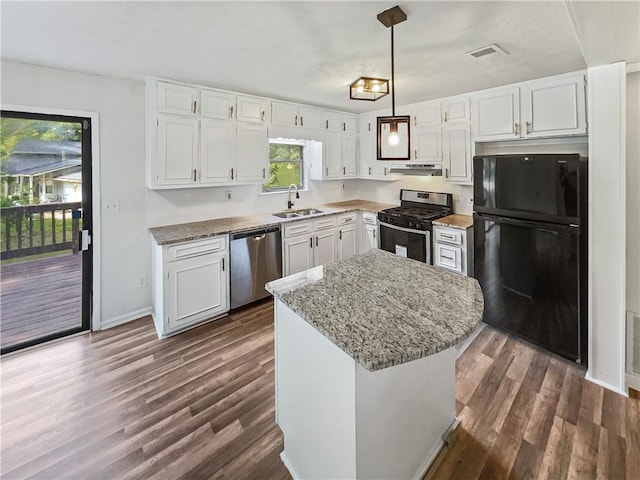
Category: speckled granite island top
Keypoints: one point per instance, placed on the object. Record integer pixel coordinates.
(185, 232)
(382, 309)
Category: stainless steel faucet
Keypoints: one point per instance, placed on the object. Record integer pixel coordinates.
(289, 202)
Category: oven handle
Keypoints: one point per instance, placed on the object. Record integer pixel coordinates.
(403, 229)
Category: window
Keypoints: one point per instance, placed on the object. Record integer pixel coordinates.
(286, 165)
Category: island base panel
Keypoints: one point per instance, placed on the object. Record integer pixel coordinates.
(340, 420)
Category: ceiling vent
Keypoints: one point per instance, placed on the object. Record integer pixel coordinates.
(488, 50)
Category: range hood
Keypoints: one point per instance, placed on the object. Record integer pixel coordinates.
(423, 169)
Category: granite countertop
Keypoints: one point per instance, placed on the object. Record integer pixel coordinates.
(382, 309)
(184, 232)
(455, 221)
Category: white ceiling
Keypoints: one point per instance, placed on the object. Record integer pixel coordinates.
(299, 51)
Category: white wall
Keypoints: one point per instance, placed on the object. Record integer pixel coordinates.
(607, 241)
(633, 192)
(389, 192)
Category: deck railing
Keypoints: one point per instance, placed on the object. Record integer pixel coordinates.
(35, 229)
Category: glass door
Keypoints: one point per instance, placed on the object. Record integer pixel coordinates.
(45, 226)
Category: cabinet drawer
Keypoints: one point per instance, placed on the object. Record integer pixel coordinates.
(296, 229)
(449, 257)
(191, 249)
(347, 219)
(370, 218)
(324, 223)
(448, 235)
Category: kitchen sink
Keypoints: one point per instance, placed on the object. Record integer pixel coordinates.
(286, 215)
(297, 213)
(308, 211)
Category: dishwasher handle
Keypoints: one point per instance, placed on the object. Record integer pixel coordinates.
(258, 234)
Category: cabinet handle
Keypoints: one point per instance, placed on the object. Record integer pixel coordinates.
(340, 234)
(415, 153)
(344, 170)
(310, 242)
(528, 128)
(231, 111)
(516, 129)
(262, 116)
(223, 264)
(264, 173)
(316, 241)
(193, 107)
(369, 170)
(445, 117)
(448, 258)
(232, 174)
(415, 120)
(385, 171)
(446, 235)
(194, 174)
(446, 173)
(344, 127)
(327, 169)
(301, 121)
(374, 233)
(369, 126)
(326, 124)
(296, 121)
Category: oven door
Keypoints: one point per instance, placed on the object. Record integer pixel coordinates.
(415, 244)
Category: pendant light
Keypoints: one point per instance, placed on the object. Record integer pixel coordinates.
(393, 131)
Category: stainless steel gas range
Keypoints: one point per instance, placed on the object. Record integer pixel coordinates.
(406, 230)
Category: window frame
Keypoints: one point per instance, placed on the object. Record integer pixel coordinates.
(303, 164)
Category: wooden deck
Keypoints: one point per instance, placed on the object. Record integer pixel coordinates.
(39, 297)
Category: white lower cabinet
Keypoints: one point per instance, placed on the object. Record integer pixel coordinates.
(190, 284)
(309, 243)
(452, 249)
(369, 237)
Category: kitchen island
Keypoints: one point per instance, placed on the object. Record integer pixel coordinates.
(365, 364)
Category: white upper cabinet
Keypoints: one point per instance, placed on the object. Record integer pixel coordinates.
(177, 99)
(217, 151)
(551, 107)
(349, 123)
(427, 114)
(292, 115)
(455, 110)
(251, 109)
(332, 121)
(456, 152)
(177, 150)
(285, 114)
(496, 114)
(370, 167)
(349, 155)
(554, 107)
(332, 156)
(253, 153)
(216, 104)
(427, 146)
(311, 118)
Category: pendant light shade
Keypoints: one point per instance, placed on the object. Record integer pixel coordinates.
(367, 88)
(394, 132)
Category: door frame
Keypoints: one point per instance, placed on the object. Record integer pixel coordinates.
(95, 315)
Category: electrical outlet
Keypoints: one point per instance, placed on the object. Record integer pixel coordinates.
(142, 281)
(227, 195)
(112, 205)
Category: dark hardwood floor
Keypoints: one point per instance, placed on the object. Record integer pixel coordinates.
(39, 297)
(122, 404)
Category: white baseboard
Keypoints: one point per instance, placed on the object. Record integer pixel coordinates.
(287, 464)
(605, 385)
(633, 381)
(127, 317)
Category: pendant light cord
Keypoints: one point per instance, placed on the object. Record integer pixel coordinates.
(393, 80)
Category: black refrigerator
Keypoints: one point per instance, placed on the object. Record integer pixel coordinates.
(530, 247)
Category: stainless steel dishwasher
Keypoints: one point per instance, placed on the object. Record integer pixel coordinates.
(256, 259)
